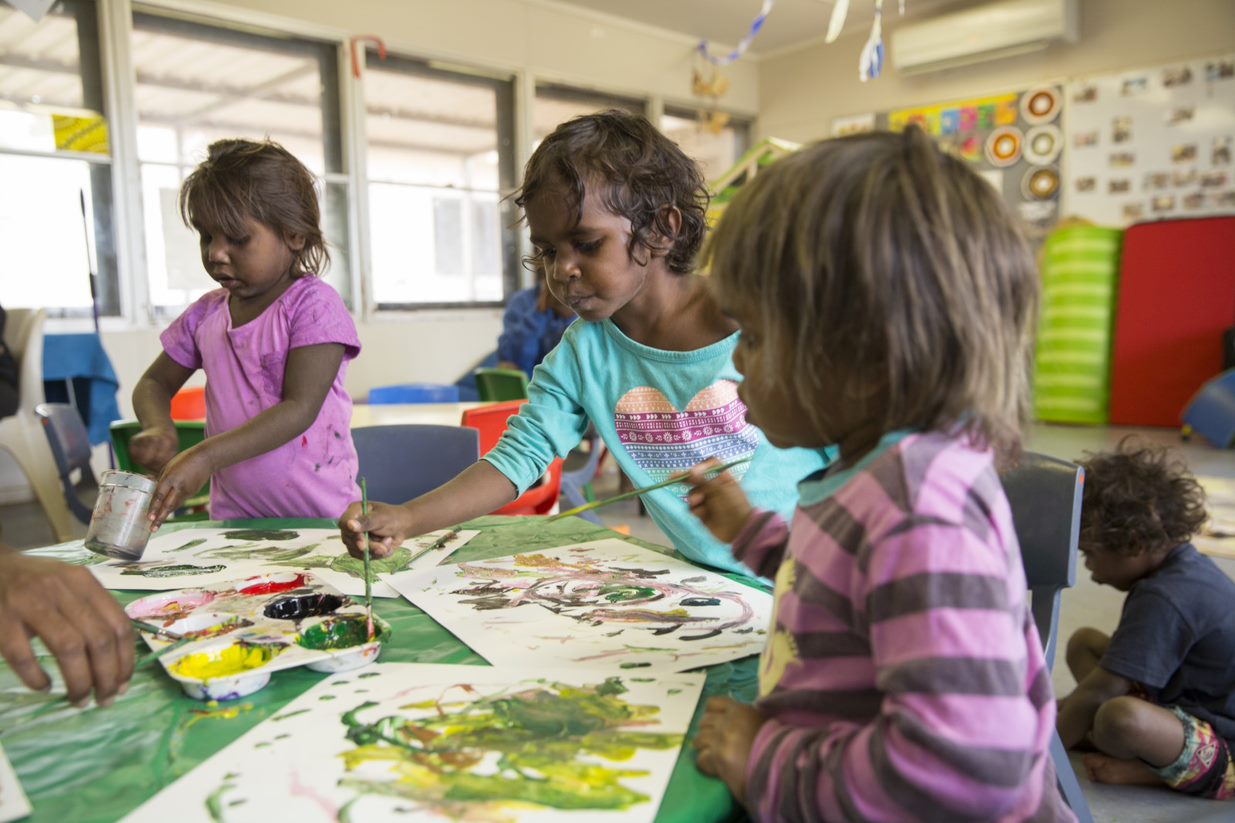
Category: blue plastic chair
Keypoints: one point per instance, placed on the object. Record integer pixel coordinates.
(402, 462)
(70, 446)
(1211, 412)
(414, 393)
(1045, 496)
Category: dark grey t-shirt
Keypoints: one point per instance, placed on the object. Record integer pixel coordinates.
(1176, 637)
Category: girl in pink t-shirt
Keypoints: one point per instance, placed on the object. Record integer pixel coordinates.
(273, 341)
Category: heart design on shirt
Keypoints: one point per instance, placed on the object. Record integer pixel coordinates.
(664, 441)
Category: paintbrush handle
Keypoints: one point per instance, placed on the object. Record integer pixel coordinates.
(153, 629)
(677, 478)
(444, 539)
(179, 644)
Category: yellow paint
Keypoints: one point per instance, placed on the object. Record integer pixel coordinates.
(213, 712)
(232, 661)
(88, 134)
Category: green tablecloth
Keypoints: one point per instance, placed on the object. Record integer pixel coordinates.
(100, 764)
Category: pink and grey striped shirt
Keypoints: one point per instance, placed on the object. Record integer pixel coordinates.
(903, 677)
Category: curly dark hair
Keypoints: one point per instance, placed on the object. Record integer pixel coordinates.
(641, 171)
(1138, 498)
(261, 180)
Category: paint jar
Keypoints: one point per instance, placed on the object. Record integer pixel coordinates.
(120, 526)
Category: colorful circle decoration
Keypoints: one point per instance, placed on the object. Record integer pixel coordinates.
(1003, 147)
(1041, 183)
(1042, 144)
(1040, 105)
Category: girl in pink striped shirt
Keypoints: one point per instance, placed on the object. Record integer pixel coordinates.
(886, 300)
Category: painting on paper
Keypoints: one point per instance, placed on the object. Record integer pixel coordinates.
(602, 603)
(204, 557)
(13, 802)
(431, 742)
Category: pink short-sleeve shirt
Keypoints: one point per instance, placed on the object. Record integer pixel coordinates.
(314, 475)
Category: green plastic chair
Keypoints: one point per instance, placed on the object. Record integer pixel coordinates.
(498, 385)
(191, 432)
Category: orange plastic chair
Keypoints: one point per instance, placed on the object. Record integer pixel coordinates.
(490, 421)
(189, 404)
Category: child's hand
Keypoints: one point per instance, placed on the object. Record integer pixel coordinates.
(726, 736)
(78, 620)
(153, 448)
(182, 478)
(719, 503)
(387, 526)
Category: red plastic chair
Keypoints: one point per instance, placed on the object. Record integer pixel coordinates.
(490, 421)
(189, 404)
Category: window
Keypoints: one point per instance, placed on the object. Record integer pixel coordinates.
(715, 144)
(55, 161)
(557, 104)
(440, 162)
(198, 83)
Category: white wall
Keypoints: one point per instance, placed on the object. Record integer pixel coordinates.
(800, 92)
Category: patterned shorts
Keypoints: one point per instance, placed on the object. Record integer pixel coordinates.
(1204, 768)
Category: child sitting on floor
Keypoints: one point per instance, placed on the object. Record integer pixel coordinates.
(886, 299)
(273, 340)
(1157, 698)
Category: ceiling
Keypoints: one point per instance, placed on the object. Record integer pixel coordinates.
(725, 22)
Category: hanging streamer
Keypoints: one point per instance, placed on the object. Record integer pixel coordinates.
(870, 63)
(744, 44)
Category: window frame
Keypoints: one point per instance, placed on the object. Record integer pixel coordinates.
(505, 85)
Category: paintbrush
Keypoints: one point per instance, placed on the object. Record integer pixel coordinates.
(153, 629)
(677, 478)
(368, 580)
(440, 543)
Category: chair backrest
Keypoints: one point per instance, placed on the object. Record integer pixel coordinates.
(414, 393)
(495, 385)
(402, 462)
(70, 446)
(23, 336)
(189, 404)
(491, 421)
(1045, 496)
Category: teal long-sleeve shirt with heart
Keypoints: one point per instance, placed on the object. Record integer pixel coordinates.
(659, 413)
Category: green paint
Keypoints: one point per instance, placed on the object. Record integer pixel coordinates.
(622, 592)
(548, 740)
(288, 715)
(267, 554)
(368, 674)
(634, 665)
(187, 546)
(675, 691)
(261, 534)
(214, 802)
(326, 697)
(172, 571)
(342, 633)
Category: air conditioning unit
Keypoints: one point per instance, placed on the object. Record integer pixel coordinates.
(986, 32)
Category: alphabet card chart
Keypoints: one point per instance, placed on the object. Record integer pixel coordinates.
(1152, 144)
(404, 741)
(607, 602)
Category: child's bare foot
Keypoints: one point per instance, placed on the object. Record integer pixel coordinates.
(1106, 769)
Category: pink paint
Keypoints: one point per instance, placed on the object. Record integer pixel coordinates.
(273, 586)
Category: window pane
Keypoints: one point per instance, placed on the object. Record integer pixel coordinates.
(440, 158)
(198, 83)
(43, 232)
(52, 98)
(49, 67)
(557, 104)
(714, 148)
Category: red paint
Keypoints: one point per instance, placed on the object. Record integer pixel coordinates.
(274, 586)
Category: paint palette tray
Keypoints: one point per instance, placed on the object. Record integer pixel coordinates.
(243, 630)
